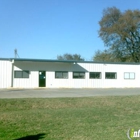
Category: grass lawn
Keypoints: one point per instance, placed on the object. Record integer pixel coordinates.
(95, 118)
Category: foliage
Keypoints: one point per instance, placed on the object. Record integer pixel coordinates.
(121, 32)
(68, 56)
(103, 56)
(110, 56)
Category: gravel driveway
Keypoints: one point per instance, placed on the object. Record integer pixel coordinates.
(56, 93)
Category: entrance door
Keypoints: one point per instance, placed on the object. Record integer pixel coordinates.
(42, 78)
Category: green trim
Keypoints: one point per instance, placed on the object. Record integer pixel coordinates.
(67, 61)
(12, 75)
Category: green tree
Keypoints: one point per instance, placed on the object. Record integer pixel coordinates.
(110, 56)
(120, 31)
(68, 56)
(103, 56)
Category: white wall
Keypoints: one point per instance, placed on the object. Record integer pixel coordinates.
(5, 73)
(120, 82)
(119, 69)
(51, 82)
(30, 82)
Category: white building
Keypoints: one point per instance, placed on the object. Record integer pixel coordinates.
(32, 73)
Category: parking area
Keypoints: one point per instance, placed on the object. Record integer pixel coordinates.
(60, 93)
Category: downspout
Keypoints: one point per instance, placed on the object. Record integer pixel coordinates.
(12, 74)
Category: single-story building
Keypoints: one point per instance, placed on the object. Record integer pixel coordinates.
(32, 73)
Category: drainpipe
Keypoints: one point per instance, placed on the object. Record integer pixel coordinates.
(12, 74)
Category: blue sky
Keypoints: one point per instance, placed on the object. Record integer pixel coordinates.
(43, 29)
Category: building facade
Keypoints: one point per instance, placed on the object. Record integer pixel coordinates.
(33, 73)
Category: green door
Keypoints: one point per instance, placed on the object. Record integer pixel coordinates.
(42, 78)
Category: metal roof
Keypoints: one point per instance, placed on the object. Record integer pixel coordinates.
(66, 61)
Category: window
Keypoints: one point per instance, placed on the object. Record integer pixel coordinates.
(110, 75)
(25, 74)
(78, 75)
(61, 74)
(95, 75)
(21, 74)
(18, 74)
(129, 75)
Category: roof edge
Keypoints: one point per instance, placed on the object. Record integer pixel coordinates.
(67, 61)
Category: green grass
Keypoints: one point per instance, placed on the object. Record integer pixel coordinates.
(95, 118)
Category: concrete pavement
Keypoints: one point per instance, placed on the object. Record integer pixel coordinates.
(66, 92)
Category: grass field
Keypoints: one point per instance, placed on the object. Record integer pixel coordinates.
(95, 118)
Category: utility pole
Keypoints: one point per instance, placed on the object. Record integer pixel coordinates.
(16, 54)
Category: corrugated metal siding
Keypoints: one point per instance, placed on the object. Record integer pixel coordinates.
(119, 69)
(5, 73)
(51, 82)
(30, 82)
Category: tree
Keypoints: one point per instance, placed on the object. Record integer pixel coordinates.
(103, 56)
(68, 56)
(110, 56)
(120, 31)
